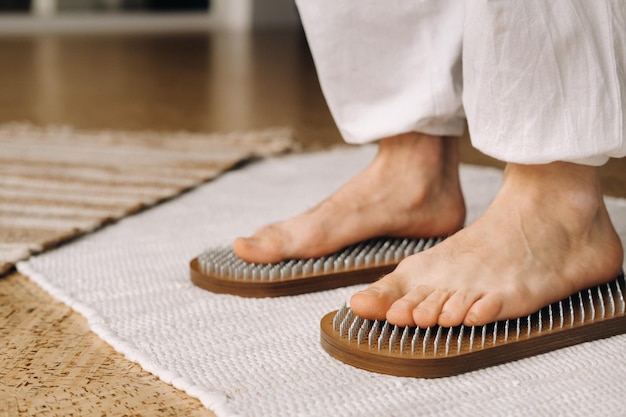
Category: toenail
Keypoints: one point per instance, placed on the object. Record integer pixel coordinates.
(399, 305)
(369, 291)
(252, 241)
(473, 319)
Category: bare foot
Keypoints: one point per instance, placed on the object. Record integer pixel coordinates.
(546, 236)
(411, 189)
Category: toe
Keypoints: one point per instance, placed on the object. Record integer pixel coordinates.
(455, 309)
(374, 302)
(253, 249)
(401, 311)
(426, 313)
(246, 248)
(265, 246)
(485, 310)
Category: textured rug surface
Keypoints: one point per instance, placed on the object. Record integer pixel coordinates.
(57, 183)
(262, 357)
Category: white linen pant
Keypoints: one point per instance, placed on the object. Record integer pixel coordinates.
(538, 81)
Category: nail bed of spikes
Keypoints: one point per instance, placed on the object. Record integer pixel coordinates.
(601, 302)
(223, 262)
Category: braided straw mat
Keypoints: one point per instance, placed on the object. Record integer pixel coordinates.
(262, 356)
(57, 183)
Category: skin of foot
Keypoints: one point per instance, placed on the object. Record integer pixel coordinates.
(546, 235)
(410, 189)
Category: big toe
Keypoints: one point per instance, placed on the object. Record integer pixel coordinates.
(374, 302)
(263, 247)
(369, 304)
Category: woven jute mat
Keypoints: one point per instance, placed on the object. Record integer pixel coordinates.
(57, 183)
(53, 365)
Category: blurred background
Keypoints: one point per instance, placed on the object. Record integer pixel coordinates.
(239, 13)
(194, 65)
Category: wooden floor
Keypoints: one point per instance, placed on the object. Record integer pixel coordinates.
(52, 364)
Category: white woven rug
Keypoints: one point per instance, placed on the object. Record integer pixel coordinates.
(262, 357)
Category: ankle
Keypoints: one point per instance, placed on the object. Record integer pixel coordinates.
(558, 183)
(414, 144)
(565, 199)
